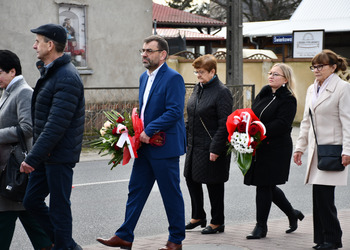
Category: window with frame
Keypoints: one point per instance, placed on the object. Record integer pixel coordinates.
(72, 18)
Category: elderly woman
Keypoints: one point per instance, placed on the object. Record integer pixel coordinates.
(15, 106)
(329, 102)
(207, 161)
(275, 106)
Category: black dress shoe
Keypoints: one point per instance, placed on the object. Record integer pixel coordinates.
(202, 223)
(293, 221)
(210, 230)
(78, 247)
(258, 233)
(329, 246)
(115, 241)
(317, 246)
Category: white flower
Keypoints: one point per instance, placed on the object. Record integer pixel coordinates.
(245, 138)
(239, 141)
(237, 146)
(107, 124)
(249, 150)
(235, 138)
(103, 131)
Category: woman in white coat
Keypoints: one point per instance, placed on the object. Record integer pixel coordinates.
(328, 99)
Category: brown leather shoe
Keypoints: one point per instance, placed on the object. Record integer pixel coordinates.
(115, 241)
(171, 246)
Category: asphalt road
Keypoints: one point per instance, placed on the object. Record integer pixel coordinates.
(99, 196)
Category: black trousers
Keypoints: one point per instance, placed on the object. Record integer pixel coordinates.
(326, 223)
(216, 197)
(35, 233)
(56, 220)
(265, 195)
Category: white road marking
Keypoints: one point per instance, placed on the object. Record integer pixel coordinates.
(99, 183)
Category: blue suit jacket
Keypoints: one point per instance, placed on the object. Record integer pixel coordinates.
(164, 112)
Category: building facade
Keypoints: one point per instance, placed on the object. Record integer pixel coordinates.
(104, 37)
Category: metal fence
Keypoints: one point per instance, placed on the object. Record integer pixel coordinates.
(99, 100)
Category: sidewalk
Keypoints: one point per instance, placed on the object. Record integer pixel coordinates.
(234, 237)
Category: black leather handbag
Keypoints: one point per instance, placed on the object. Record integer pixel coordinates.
(329, 156)
(13, 183)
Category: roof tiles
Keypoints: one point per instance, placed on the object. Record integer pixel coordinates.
(166, 15)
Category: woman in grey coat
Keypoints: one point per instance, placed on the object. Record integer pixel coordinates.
(15, 106)
(207, 161)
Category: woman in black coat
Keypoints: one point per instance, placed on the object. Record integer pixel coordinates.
(275, 106)
(206, 160)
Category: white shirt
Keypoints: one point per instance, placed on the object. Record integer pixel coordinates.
(15, 79)
(151, 77)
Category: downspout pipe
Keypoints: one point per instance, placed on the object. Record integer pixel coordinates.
(155, 27)
(255, 43)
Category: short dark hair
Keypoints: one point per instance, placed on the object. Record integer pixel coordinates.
(9, 60)
(59, 47)
(330, 57)
(162, 43)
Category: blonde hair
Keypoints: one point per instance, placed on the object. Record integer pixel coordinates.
(288, 74)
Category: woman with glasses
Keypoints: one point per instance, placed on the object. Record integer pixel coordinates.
(206, 159)
(328, 100)
(275, 106)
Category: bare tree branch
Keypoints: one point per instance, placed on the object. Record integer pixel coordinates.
(252, 10)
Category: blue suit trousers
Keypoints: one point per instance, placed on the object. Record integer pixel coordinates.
(145, 172)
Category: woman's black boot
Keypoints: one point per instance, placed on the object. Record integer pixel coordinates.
(258, 232)
(293, 220)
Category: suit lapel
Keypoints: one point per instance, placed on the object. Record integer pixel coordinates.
(156, 82)
(4, 97)
(327, 92)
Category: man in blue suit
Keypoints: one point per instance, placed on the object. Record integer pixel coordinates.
(161, 97)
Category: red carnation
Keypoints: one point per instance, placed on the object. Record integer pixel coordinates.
(241, 127)
(253, 129)
(120, 119)
(253, 144)
(114, 131)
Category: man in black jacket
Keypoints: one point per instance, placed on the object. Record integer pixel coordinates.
(58, 110)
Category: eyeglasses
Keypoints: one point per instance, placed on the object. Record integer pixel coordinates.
(148, 51)
(197, 73)
(318, 67)
(274, 74)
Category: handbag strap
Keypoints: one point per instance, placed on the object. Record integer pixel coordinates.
(205, 128)
(313, 127)
(21, 140)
